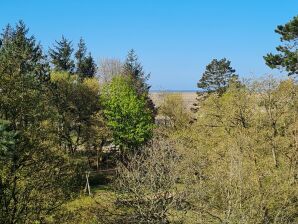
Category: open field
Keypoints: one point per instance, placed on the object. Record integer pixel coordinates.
(189, 98)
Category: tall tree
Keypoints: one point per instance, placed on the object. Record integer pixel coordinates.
(81, 52)
(217, 76)
(31, 183)
(88, 67)
(127, 114)
(76, 104)
(133, 69)
(23, 71)
(287, 58)
(61, 56)
(85, 65)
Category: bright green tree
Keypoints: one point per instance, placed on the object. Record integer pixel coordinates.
(127, 114)
(287, 58)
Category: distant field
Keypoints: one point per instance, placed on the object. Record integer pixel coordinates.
(189, 98)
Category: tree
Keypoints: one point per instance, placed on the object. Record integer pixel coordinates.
(76, 104)
(287, 58)
(35, 177)
(80, 54)
(108, 68)
(146, 188)
(127, 114)
(133, 69)
(85, 65)
(23, 75)
(61, 56)
(240, 155)
(217, 76)
(173, 108)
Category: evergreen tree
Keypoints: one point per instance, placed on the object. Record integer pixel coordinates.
(85, 65)
(23, 71)
(217, 76)
(61, 56)
(133, 69)
(31, 186)
(20, 54)
(287, 58)
(80, 53)
(7, 34)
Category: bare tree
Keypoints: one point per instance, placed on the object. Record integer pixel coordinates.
(146, 187)
(108, 68)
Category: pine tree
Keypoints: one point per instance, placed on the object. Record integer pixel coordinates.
(85, 65)
(81, 52)
(133, 69)
(217, 76)
(88, 68)
(61, 56)
(287, 57)
(216, 79)
(20, 54)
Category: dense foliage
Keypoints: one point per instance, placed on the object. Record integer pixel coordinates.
(129, 119)
(35, 176)
(233, 160)
(242, 155)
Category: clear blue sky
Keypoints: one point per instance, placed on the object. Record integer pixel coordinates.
(174, 39)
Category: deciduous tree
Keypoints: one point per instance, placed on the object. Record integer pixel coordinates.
(127, 114)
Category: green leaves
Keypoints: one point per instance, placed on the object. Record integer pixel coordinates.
(76, 103)
(7, 139)
(127, 113)
(35, 177)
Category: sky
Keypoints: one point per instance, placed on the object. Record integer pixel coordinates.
(174, 39)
